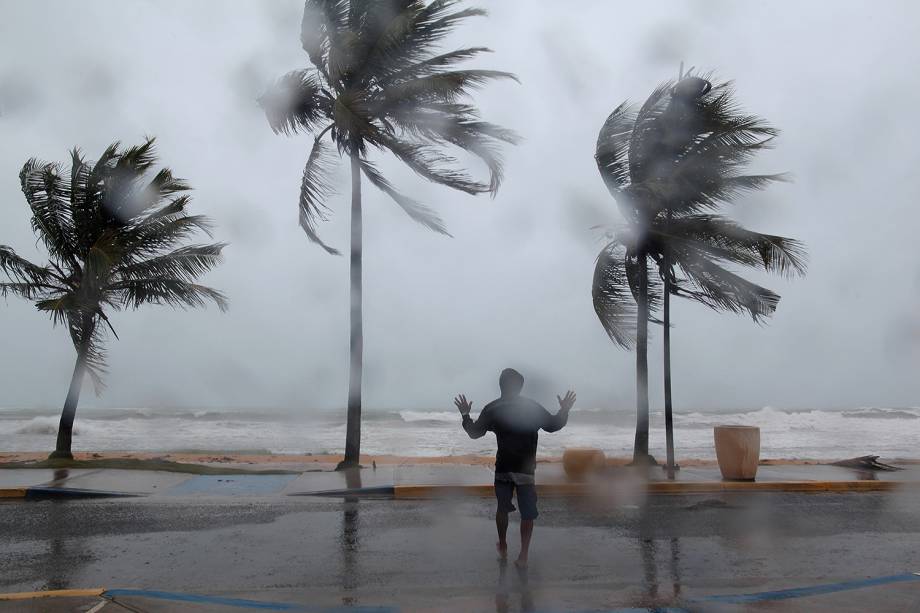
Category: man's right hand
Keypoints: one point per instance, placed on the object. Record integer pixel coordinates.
(565, 404)
(463, 405)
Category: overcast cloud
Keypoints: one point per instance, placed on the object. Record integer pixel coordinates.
(512, 288)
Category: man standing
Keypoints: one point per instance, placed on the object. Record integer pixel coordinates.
(515, 420)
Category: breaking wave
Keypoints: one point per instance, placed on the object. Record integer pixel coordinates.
(818, 434)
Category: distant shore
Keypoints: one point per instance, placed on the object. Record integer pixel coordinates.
(326, 461)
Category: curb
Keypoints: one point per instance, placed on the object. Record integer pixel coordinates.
(44, 493)
(84, 593)
(707, 487)
(576, 490)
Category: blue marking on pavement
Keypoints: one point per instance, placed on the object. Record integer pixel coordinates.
(628, 610)
(381, 490)
(242, 603)
(815, 590)
(642, 610)
(229, 485)
(263, 605)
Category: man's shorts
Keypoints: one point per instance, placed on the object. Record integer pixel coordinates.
(526, 498)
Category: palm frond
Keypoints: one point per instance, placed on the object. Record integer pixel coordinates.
(48, 196)
(186, 263)
(443, 87)
(85, 195)
(315, 188)
(612, 149)
(29, 291)
(722, 238)
(407, 35)
(161, 187)
(167, 291)
(458, 125)
(724, 290)
(646, 133)
(138, 159)
(612, 299)
(321, 24)
(22, 270)
(414, 209)
(429, 162)
(296, 102)
(162, 229)
(433, 65)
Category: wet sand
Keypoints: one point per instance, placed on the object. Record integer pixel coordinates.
(326, 461)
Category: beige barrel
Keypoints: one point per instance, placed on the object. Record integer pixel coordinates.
(579, 463)
(738, 451)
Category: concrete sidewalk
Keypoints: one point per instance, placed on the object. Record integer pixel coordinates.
(433, 480)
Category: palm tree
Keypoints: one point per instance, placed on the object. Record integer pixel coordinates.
(379, 82)
(115, 239)
(669, 166)
(697, 246)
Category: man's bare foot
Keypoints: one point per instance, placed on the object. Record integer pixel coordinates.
(502, 549)
(521, 563)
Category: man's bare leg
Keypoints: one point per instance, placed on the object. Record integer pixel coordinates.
(526, 533)
(501, 524)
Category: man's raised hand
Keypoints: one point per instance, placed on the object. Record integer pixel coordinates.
(463, 405)
(566, 403)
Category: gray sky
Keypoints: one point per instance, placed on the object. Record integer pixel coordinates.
(513, 287)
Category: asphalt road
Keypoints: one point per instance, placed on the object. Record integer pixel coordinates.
(668, 550)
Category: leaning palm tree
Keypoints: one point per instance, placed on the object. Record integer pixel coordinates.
(379, 82)
(669, 166)
(115, 238)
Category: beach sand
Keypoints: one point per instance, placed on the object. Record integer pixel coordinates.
(327, 462)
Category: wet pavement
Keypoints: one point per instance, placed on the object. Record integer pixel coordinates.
(163, 483)
(680, 551)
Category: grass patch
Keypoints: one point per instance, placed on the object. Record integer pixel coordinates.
(153, 464)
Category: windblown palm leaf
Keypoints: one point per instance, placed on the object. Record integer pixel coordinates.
(684, 150)
(611, 292)
(379, 82)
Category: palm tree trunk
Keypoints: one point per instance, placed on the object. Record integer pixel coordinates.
(62, 449)
(640, 448)
(356, 345)
(668, 416)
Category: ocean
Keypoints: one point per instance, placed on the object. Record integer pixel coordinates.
(785, 434)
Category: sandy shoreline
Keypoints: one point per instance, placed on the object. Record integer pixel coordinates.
(308, 461)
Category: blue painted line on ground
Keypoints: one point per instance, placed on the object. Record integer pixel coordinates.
(814, 590)
(626, 610)
(252, 485)
(263, 605)
(382, 490)
(72, 492)
(631, 610)
(241, 603)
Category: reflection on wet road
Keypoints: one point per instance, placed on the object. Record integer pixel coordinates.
(440, 555)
